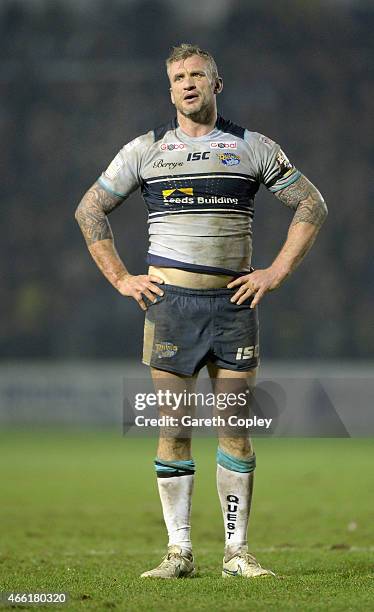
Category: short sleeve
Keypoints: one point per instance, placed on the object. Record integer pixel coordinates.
(123, 175)
(274, 169)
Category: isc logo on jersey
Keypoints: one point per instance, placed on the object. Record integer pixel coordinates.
(223, 145)
(198, 156)
(172, 146)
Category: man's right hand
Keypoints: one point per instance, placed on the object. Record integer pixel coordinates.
(139, 286)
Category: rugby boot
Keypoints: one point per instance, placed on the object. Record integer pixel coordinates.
(245, 565)
(174, 565)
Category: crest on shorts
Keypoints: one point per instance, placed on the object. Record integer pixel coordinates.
(165, 349)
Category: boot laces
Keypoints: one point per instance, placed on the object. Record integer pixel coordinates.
(248, 558)
(167, 561)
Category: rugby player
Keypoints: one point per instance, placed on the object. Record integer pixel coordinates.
(199, 174)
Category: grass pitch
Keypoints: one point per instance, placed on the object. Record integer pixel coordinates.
(79, 513)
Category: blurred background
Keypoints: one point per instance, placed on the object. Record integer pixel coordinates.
(81, 78)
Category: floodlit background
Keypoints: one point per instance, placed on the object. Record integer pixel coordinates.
(81, 78)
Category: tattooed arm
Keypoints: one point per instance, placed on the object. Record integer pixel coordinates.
(304, 198)
(310, 212)
(91, 215)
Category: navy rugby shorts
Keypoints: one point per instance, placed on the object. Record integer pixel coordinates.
(187, 328)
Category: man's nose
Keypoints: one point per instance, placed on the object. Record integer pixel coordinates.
(189, 83)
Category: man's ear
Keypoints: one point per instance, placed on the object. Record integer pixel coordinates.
(172, 96)
(218, 86)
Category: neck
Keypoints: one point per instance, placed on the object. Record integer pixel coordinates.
(198, 126)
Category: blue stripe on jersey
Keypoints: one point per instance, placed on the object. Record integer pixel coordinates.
(202, 210)
(286, 184)
(102, 184)
(182, 192)
(165, 262)
(198, 175)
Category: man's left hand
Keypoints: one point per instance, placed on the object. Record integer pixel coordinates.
(256, 283)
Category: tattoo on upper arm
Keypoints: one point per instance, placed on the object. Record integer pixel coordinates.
(307, 202)
(92, 212)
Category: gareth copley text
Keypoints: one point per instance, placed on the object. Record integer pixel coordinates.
(216, 421)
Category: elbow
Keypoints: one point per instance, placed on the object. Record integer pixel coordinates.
(323, 211)
(78, 213)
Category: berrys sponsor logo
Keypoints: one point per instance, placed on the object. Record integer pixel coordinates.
(223, 145)
(229, 159)
(170, 165)
(172, 146)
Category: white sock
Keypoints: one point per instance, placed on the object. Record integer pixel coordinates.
(235, 494)
(176, 494)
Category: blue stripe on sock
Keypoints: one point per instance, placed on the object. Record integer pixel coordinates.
(234, 464)
(186, 466)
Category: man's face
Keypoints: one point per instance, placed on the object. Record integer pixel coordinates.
(192, 87)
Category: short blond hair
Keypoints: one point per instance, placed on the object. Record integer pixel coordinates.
(186, 50)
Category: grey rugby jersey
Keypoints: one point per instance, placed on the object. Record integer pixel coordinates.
(200, 192)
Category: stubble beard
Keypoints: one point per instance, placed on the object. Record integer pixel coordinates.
(203, 115)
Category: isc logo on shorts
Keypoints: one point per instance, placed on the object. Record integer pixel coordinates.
(247, 352)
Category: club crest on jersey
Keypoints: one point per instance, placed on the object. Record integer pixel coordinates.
(229, 159)
(172, 146)
(223, 145)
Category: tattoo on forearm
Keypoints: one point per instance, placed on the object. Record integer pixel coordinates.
(92, 212)
(307, 202)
